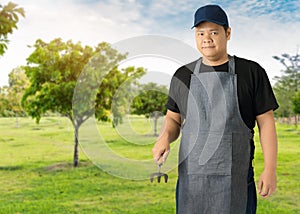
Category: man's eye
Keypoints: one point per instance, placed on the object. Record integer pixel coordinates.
(200, 34)
(214, 33)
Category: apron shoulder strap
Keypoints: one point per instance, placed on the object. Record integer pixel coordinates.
(231, 64)
(197, 67)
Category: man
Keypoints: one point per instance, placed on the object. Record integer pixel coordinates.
(215, 102)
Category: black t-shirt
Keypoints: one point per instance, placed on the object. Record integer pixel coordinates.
(255, 94)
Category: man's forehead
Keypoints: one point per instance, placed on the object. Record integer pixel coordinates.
(208, 25)
(207, 29)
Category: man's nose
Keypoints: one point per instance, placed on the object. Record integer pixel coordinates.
(207, 39)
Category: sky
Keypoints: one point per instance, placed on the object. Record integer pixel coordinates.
(260, 28)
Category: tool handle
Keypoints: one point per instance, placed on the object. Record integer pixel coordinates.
(159, 166)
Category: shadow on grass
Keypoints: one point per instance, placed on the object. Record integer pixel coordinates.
(111, 141)
(58, 167)
(10, 168)
(6, 139)
(125, 142)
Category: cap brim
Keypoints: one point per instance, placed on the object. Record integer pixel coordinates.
(209, 20)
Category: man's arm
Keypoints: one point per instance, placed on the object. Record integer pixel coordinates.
(169, 133)
(268, 140)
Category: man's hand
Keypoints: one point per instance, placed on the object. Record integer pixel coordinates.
(268, 140)
(169, 133)
(267, 183)
(161, 151)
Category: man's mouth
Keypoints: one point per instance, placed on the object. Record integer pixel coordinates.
(208, 47)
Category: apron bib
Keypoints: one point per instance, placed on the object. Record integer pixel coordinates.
(214, 153)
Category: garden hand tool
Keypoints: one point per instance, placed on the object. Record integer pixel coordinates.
(159, 175)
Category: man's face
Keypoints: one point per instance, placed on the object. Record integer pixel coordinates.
(212, 40)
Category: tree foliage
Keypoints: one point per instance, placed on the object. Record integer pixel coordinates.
(9, 17)
(296, 102)
(11, 95)
(151, 102)
(4, 102)
(18, 82)
(287, 84)
(125, 94)
(55, 71)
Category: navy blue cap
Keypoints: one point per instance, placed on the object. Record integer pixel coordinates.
(211, 13)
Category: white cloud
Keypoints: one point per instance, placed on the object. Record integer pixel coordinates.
(50, 19)
(261, 37)
(258, 31)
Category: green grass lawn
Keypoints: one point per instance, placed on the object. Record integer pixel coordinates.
(36, 173)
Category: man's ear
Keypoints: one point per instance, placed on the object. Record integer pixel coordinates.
(228, 33)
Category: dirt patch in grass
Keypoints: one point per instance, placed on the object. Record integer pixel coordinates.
(65, 166)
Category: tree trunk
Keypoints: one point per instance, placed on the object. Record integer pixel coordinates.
(76, 160)
(155, 125)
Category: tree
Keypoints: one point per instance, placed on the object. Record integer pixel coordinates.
(296, 105)
(11, 95)
(18, 82)
(4, 103)
(125, 94)
(283, 94)
(9, 17)
(151, 102)
(296, 102)
(54, 69)
(288, 83)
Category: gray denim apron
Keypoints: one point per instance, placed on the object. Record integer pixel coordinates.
(214, 151)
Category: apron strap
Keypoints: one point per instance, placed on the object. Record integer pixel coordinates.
(197, 67)
(231, 65)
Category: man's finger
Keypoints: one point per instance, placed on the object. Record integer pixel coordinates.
(271, 191)
(265, 191)
(259, 186)
(156, 158)
(165, 156)
(156, 154)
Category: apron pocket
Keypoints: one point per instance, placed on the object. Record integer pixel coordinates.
(211, 155)
(204, 194)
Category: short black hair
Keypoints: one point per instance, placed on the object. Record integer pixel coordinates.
(225, 28)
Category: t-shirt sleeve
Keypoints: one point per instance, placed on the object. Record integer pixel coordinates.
(264, 98)
(179, 89)
(172, 97)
